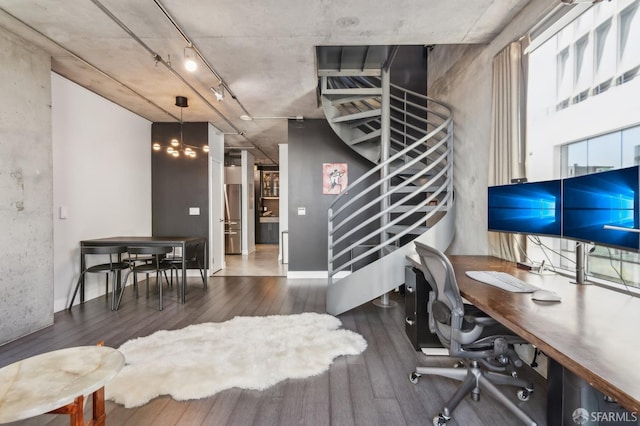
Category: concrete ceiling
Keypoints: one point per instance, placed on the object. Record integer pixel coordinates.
(131, 51)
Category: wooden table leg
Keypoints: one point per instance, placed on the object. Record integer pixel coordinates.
(74, 410)
(99, 415)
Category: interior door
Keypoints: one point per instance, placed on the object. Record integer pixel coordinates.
(217, 216)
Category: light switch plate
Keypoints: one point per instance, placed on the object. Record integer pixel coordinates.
(194, 211)
(302, 211)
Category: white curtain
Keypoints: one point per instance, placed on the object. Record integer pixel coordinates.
(508, 132)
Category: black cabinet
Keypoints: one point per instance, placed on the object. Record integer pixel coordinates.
(268, 233)
(572, 400)
(416, 316)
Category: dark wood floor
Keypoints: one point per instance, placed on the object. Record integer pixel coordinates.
(369, 389)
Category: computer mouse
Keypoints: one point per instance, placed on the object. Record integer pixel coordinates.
(545, 296)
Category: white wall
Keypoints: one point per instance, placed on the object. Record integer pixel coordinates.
(216, 199)
(101, 175)
(283, 167)
(248, 208)
(615, 109)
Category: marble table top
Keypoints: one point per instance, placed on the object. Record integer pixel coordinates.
(52, 380)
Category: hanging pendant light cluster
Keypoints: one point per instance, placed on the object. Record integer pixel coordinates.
(177, 147)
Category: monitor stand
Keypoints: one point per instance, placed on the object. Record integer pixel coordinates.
(581, 277)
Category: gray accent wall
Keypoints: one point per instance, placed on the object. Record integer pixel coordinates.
(178, 184)
(312, 143)
(26, 212)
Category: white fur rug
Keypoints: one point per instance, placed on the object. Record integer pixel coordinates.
(245, 352)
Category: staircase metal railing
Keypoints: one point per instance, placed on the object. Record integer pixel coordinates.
(419, 182)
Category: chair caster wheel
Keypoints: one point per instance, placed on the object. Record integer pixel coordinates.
(524, 394)
(414, 378)
(439, 420)
(458, 364)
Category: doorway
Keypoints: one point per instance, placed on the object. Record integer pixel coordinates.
(263, 262)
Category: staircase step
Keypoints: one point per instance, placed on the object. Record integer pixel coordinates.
(350, 99)
(366, 137)
(396, 229)
(357, 116)
(370, 91)
(406, 208)
(410, 171)
(410, 188)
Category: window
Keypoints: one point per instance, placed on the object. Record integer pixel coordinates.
(629, 39)
(605, 59)
(598, 49)
(610, 151)
(630, 146)
(589, 123)
(583, 68)
(564, 75)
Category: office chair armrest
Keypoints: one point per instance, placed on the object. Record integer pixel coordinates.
(483, 321)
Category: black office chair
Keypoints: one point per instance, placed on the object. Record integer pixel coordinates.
(110, 268)
(152, 264)
(484, 346)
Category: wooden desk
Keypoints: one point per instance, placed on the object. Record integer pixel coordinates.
(592, 332)
(56, 382)
(181, 242)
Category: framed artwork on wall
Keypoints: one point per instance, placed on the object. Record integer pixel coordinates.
(335, 177)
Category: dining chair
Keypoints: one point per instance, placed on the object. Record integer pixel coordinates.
(112, 267)
(191, 259)
(153, 264)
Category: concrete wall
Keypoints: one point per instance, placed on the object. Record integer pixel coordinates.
(461, 76)
(101, 175)
(26, 230)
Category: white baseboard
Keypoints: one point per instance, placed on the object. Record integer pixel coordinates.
(303, 275)
(314, 274)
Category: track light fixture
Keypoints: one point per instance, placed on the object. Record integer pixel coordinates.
(219, 92)
(190, 63)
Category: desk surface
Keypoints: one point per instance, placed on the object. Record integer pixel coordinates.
(51, 380)
(592, 332)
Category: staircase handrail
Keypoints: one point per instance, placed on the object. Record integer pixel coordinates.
(443, 176)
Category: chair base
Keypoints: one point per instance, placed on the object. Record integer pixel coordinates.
(473, 380)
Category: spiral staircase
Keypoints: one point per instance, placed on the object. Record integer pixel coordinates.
(407, 195)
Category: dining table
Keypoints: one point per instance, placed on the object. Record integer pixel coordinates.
(146, 241)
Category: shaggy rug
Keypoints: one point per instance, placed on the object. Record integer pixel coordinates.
(245, 352)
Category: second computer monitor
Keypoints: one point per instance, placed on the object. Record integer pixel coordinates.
(603, 208)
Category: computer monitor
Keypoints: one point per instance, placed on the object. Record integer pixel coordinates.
(603, 208)
(527, 208)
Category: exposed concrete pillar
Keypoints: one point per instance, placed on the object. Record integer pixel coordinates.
(26, 189)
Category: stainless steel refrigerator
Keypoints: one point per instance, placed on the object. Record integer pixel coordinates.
(232, 218)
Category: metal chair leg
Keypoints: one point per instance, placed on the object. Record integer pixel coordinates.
(75, 292)
(159, 285)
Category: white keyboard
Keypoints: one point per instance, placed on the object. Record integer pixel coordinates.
(502, 280)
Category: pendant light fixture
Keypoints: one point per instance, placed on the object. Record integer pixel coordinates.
(177, 147)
